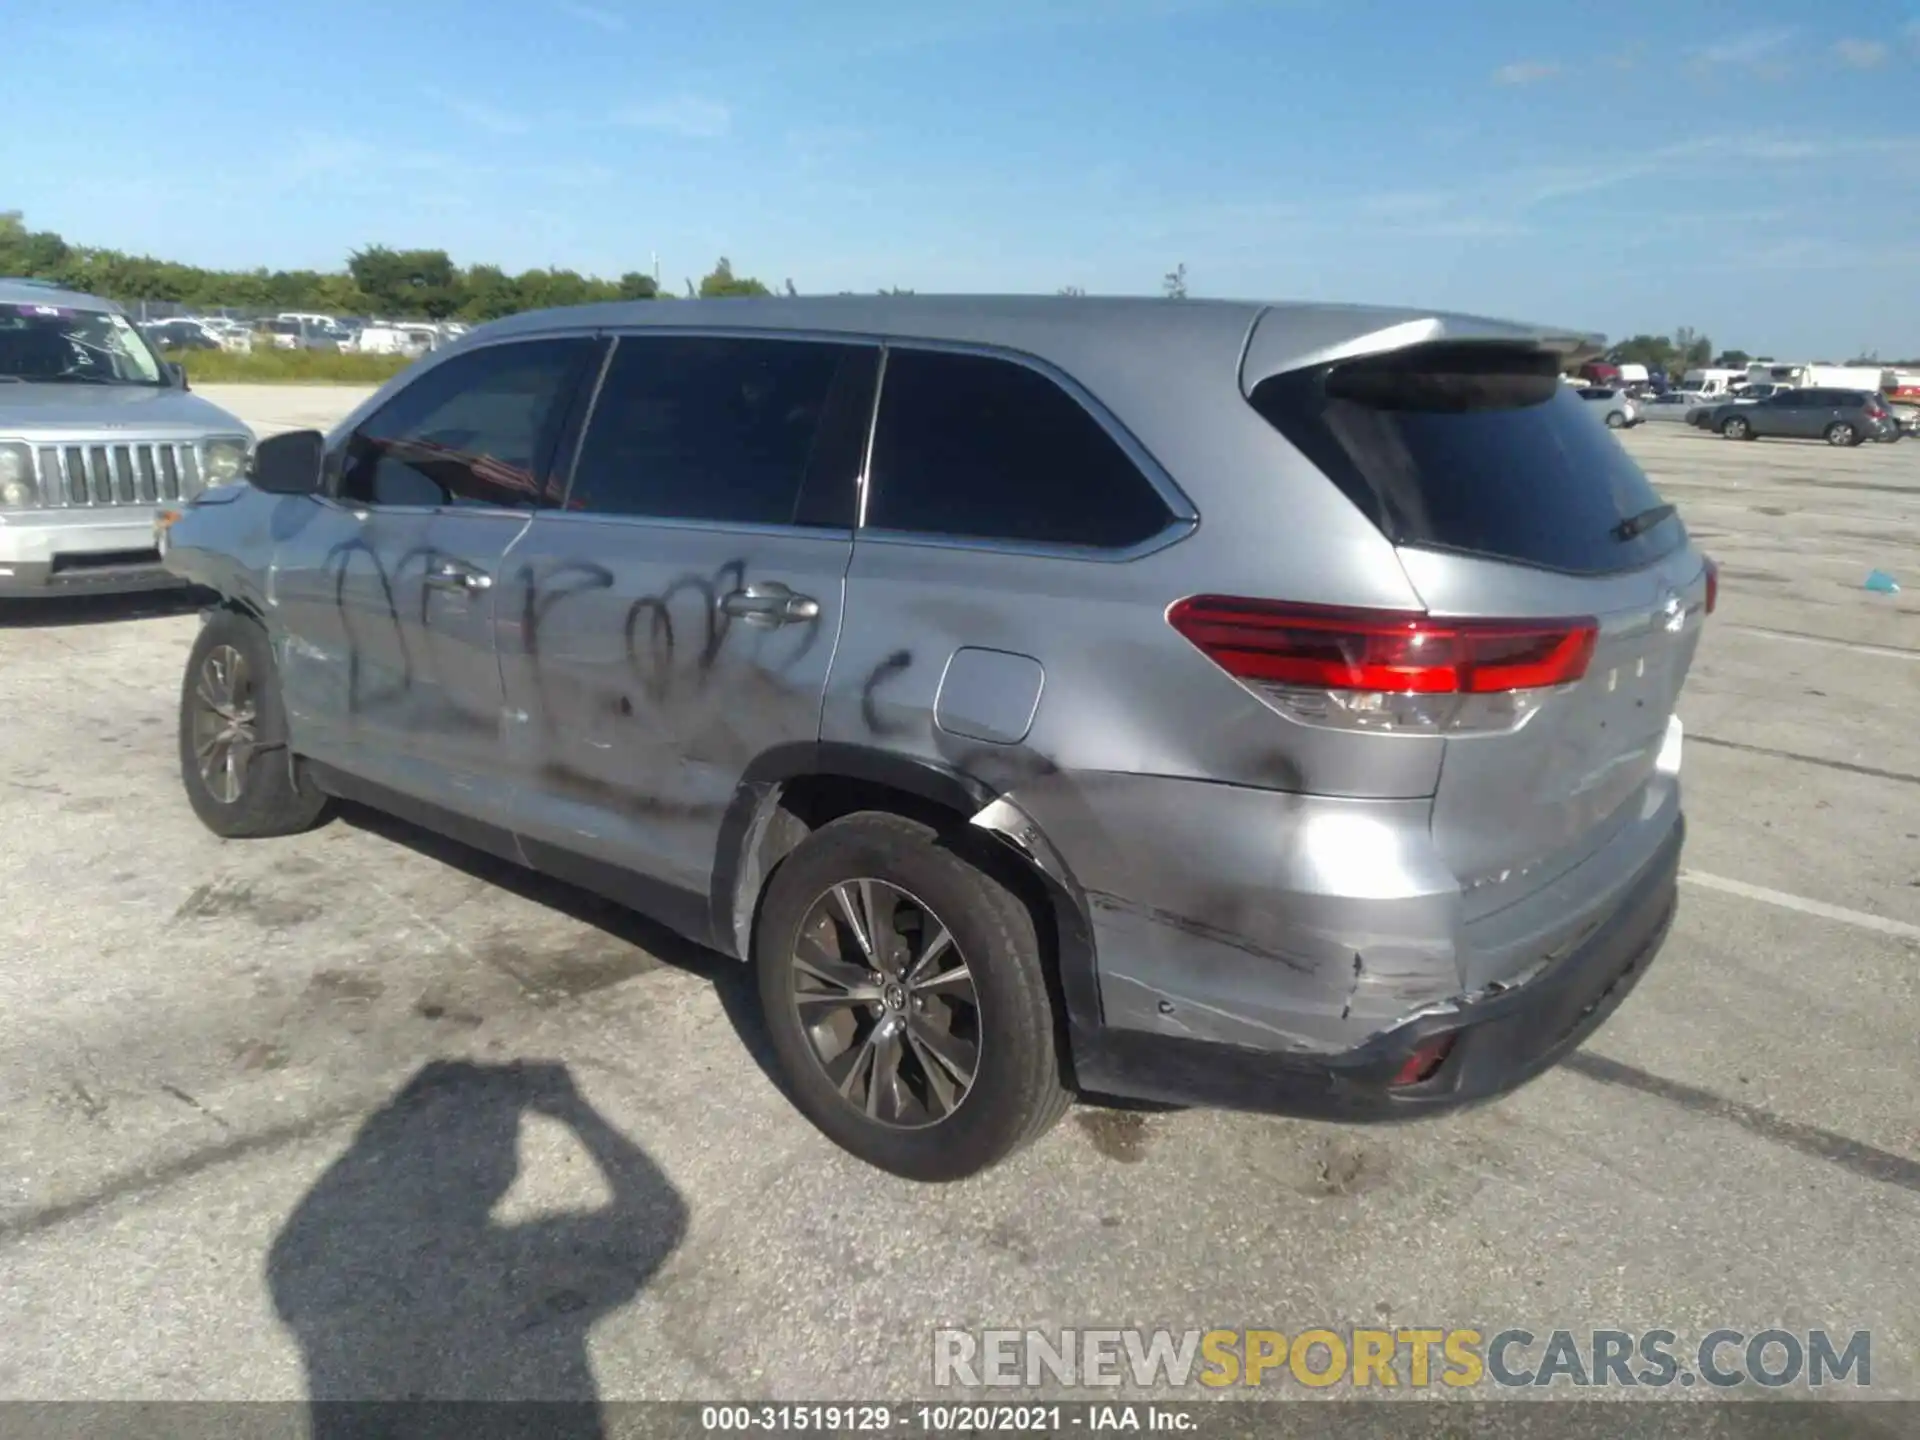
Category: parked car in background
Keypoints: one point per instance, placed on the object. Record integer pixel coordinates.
(1674, 406)
(1712, 380)
(1906, 415)
(181, 335)
(1840, 417)
(399, 339)
(234, 335)
(284, 334)
(1352, 790)
(1822, 377)
(97, 433)
(305, 333)
(1619, 409)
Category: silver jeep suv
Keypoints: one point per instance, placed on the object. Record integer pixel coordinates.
(1259, 706)
(97, 433)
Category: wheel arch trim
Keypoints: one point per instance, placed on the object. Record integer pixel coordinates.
(739, 875)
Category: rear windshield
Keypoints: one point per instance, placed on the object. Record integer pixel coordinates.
(1473, 448)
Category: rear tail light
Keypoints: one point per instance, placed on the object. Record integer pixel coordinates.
(1426, 1059)
(1713, 585)
(1388, 670)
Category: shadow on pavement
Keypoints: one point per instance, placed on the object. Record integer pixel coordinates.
(55, 612)
(732, 981)
(400, 1285)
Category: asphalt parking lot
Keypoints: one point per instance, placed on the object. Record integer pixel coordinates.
(192, 1032)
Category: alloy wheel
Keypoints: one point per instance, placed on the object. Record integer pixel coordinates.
(224, 718)
(887, 1003)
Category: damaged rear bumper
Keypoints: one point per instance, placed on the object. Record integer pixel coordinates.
(1500, 1040)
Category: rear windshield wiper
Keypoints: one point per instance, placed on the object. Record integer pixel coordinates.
(1635, 525)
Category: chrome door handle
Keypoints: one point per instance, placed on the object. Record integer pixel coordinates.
(769, 604)
(446, 576)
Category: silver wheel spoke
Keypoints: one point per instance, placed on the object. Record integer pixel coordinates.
(213, 702)
(956, 1055)
(934, 947)
(952, 979)
(942, 1093)
(835, 999)
(857, 915)
(887, 1003)
(812, 958)
(847, 1068)
(883, 1085)
(223, 728)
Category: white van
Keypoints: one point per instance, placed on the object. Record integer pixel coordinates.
(1712, 380)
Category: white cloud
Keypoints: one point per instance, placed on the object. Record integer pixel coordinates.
(1757, 50)
(1862, 54)
(593, 15)
(481, 115)
(685, 115)
(1527, 72)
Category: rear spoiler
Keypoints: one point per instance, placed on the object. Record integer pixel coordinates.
(1296, 337)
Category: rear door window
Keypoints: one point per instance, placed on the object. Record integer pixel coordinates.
(736, 431)
(977, 447)
(1475, 449)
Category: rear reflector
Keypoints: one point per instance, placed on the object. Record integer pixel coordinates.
(1315, 647)
(1713, 585)
(1426, 1058)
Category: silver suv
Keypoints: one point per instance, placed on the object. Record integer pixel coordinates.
(97, 433)
(1259, 706)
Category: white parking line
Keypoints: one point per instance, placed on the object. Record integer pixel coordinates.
(1898, 928)
(1853, 645)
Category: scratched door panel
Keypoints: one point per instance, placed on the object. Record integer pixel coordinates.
(457, 700)
(435, 486)
(635, 702)
(674, 619)
(341, 591)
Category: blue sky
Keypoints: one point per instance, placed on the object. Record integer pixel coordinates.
(1751, 169)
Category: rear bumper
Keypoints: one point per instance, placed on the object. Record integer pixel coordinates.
(1500, 1041)
(107, 551)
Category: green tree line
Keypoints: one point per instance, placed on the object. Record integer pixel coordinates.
(1686, 349)
(377, 280)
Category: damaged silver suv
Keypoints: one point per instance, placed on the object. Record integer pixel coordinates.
(97, 434)
(1258, 706)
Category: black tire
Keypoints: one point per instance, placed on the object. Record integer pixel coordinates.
(1735, 428)
(1842, 435)
(273, 796)
(1016, 1093)
(1616, 420)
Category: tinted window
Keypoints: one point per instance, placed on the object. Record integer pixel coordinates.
(968, 445)
(477, 430)
(1473, 448)
(738, 431)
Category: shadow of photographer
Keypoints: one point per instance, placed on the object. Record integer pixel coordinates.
(405, 1292)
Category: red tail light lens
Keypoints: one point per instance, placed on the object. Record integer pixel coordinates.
(1384, 651)
(1425, 1060)
(1713, 585)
